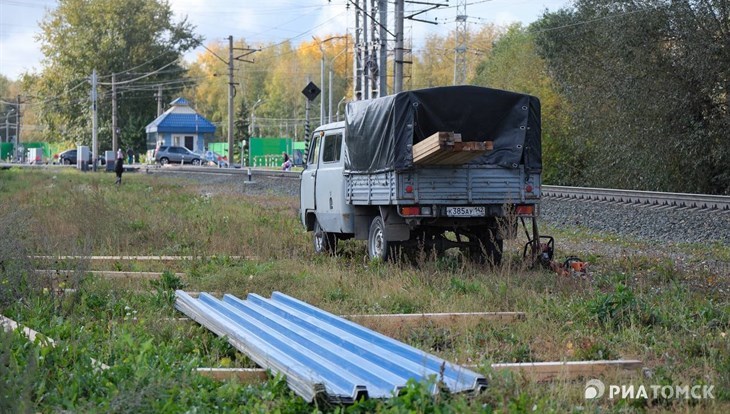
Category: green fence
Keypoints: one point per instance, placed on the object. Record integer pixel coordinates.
(267, 152)
(6, 150)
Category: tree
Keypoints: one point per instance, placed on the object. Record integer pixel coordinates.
(131, 38)
(513, 64)
(434, 64)
(648, 84)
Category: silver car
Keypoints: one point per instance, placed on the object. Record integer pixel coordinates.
(170, 154)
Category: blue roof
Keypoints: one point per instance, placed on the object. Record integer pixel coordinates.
(172, 122)
(322, 354)
(180, 101)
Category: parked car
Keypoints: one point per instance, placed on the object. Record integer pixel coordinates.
(167, 154)
(70, 157)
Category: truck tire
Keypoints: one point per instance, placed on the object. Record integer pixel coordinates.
(377, 245)
(324, 242)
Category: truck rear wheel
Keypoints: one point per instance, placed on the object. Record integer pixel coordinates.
(324, 242)
(377, 245)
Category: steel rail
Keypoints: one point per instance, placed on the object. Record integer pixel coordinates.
(715, 203)
(706, 202)
(649, 198)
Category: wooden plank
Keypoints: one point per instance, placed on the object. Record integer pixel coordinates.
(440, 318)
(108, 274)
(400, 325)
(547, 371)
(11, 325)
(434, 143)
(537, 371)
(433, 150)
(250, 376)
(143, 258)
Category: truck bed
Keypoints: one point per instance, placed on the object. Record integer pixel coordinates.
(455, 185)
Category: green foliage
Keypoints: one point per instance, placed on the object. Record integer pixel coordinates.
(514, 65)
(621, 308)
(127, 38)
(166, 286)
(647, 84)
(17, 370)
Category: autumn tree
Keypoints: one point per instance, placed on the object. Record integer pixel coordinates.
(433, 64)
(513, 64)
(131, 38)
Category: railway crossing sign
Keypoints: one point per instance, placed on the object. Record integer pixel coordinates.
(311, 91)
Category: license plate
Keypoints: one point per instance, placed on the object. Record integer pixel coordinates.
(465, 211)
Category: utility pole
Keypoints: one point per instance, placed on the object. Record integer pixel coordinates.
(17, 127)
(398, 57)
(230, 101)
(114, 113)
(357, 56)
(94, 120)
(383, 67)
(460, 51)
(321, 82)
(159, 100)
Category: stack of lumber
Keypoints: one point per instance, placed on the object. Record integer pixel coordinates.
(446, 148)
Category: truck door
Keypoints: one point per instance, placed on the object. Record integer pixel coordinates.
(309, 179)
(330, 187)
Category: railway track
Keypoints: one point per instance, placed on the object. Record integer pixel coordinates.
(660, 200)
(646, 198)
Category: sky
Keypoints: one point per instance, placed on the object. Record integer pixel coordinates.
(259, 22)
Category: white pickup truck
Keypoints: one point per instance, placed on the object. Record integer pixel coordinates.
(360, 179)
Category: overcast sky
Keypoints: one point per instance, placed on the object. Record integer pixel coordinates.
(257, 21)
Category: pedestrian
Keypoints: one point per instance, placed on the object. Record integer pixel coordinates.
(286, 166)
(130, 156)
(119, 167)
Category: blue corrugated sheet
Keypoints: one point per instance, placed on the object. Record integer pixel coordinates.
(321, 354)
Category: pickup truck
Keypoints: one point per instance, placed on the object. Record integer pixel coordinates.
(360, 179)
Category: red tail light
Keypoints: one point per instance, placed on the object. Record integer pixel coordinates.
(410, 211)
(525, 210)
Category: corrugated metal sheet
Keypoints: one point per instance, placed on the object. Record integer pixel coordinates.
(321, 354)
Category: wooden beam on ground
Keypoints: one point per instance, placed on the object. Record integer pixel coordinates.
(548, 371)
(151, 258)
(11, 325)
(243, 375)
(537, 371)
(414, 319)
(107, 274)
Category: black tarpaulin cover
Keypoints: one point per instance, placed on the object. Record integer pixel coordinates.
(381, 132)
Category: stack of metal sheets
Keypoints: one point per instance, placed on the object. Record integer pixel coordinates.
(322, 355)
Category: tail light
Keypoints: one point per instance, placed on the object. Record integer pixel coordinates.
(525, 210)
(410, 211)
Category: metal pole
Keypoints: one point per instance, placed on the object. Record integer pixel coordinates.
(365, 50)
(321, 97)
(383, 68)
(329, 105)
(159, 100)
(17, 128)
(94, 120)
(114, 113)
(398, 58)
(357, 66)
(230, 101)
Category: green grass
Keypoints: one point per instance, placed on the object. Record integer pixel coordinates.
(635, 305)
